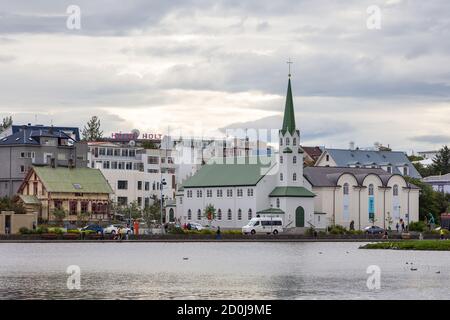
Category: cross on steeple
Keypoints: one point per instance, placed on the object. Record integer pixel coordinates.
(289, 62)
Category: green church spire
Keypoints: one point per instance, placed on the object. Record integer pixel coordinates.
(289, 115)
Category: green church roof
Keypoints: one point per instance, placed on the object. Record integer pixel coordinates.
(271, 211)
(291, 192)
(227, 175)
(289, 115)
(78, 180)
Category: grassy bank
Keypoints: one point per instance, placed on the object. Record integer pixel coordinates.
(438, 245)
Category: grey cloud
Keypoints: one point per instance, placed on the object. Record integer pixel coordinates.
(433, 139)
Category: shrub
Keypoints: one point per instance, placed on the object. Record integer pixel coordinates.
(419, 226)
(232, 232)
(41, 230)
(337, 229)
(24, 230)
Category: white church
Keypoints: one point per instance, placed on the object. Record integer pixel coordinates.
(303, 197)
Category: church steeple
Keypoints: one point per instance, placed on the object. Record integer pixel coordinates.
(289, 115)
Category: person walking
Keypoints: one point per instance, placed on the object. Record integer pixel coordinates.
(397, 226)
(403, 226)
(218, 237)
(352, 225)
(442, 232)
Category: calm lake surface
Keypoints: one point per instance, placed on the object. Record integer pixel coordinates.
(219, 271)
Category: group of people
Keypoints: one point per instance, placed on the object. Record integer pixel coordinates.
(401, 224)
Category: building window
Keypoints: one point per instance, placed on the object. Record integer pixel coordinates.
(229, 193)
(209, 193)
(294, 160)
(73, 207)
(370, 189)
(199, 193)
(327, 157)
(229, 216)
(240, 192)
(287, 141)
(116, 152)
(219, 193)
(124, 152)
(250, 214)
(281, 141)
(239, 214)
(152, 160)
(139, 185)
(146, 202)
(189, 214)
(199, 214)
(106, 165)
(389, 169)
(132, 153)
(294, 141)
(84, 206)
(22, 169)
(189, 193)
(114, 165)
(129, 166)
(121, 165)
(281, 159)
(278, 202)
(122, 185)
(101, 151)
(345, 188)
(122, 201)
(139, 201)
(58, 204)
(250, 192)
(395, 190)
(109, 152)
(281, 177)
(294, 176)
(405, 170)
(219, 214)
(147, 186)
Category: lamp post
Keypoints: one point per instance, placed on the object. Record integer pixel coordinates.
(161, 185)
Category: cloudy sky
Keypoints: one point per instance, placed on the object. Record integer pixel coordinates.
(200, 66)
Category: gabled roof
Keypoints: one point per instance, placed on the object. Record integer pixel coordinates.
(31, 137)
(329, 176)
(313, 152)
(73, 180)
(291, 192)
(442, 178)
(223, 175)
(344, 157)
(29, 199)
(271, 211)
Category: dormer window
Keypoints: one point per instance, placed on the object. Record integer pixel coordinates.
(405, 170)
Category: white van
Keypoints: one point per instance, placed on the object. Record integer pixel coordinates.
(266, 225)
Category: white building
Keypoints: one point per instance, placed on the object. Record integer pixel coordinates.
(439, 183)
(134, 173)
(278, 186)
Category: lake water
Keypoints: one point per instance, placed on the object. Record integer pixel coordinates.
(219, 271)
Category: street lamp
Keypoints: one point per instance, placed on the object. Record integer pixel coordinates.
(161, 186)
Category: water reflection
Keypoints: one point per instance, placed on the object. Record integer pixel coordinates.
(218, 271)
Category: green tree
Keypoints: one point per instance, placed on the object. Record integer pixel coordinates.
(210, 212)
(59, 215)
(148, 145)
(152, 213)
(441, 162)
(7, 122)
(83, 217)
(92, 132)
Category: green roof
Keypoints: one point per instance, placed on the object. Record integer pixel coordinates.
(291, 192)
(289, 115)
(29, 199)
(287, 150)
(271, 211)
(78, 180)
(223, 175)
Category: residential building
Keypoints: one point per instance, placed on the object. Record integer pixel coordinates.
(21, 147)
(394, 162)
(74, 190)
(428, 154)
(134, 173)
(439, 183)
(311, 155)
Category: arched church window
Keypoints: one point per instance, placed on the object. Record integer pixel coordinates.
(278, 202)
(294, 141)
(370, 189)
(281, 177)
(294, 177)
(281, 141)
(250, 214)
(345, 188)
(395, 190)
(189, 214)
(294, 160)
(287, 141)
(219, 214)
(281, 159)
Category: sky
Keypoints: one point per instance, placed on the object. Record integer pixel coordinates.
(200, 67)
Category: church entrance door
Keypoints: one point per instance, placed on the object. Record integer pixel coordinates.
(300, 217)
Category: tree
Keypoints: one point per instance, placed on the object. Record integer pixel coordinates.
(441, 162)
(83, 217)
(148, 145)
(59, 215)
(7, 122)
(92, 132)
(210, 212)
(152, 214)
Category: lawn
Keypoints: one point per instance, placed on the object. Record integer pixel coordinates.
(439, 245)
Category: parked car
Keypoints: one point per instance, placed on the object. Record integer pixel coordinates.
(112, 229)
(92, 228)
(196, 226)
(263, 225)
(374, 230)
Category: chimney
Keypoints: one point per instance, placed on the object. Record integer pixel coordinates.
(351, 145)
